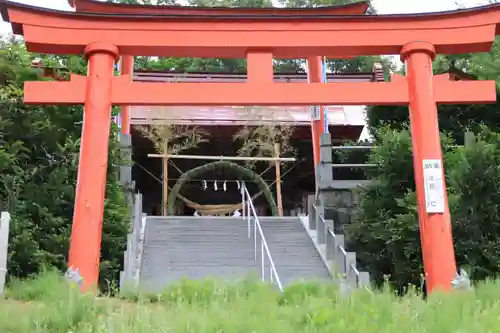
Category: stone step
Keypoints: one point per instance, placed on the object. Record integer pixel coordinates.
(196, 248)
(293, 251)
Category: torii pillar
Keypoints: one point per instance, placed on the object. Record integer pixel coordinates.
(127, 68)
(432, 201)
(315, 75)
(86, 234)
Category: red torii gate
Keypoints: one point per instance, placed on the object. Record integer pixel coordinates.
(258, 37)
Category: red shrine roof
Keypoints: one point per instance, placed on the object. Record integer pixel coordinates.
(93, 6)
(238, 115)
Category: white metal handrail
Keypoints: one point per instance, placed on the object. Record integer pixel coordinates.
(250, 214)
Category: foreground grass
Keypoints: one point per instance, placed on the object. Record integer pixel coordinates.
(49, 304)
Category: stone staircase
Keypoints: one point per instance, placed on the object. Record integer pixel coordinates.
(172, 248)
(194, 247)
(294, 253)
(219, 247)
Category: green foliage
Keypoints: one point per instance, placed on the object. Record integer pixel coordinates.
(453, 119)
(39, 149)
(268, 140)
(173, 139)
(473, 176)
(385, 231)
(251, 306)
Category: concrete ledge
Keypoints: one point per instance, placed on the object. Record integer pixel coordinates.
(344, 185)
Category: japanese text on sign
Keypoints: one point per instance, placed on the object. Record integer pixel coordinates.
(434, 186)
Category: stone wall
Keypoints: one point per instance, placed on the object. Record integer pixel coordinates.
(340, 206)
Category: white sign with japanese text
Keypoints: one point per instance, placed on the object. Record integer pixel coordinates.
(434, 186)
(315, 113)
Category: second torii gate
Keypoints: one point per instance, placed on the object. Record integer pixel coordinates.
(300, 33)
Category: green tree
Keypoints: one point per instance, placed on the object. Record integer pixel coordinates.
(385, 232)
(473, 177)
(39, 149)
(453, 119)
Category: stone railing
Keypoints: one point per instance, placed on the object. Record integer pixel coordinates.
(342, 264)
(326, 177)
(336, 188)
(129, 277)
(329, 210)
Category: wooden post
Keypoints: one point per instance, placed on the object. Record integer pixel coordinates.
(4, 244)
(223, 158)
(127, 68)
(469, 139)
(279, 198)
(165, 179)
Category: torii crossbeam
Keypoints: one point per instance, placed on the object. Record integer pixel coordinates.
(258, 37)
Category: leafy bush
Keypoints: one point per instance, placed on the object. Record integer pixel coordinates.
(473, 176)
(385, 232)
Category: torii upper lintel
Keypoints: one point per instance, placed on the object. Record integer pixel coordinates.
(232, 36)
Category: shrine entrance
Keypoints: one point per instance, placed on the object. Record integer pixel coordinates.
(217, 188)
(257, 36)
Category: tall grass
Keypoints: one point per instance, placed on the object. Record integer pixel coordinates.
(49, 304)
